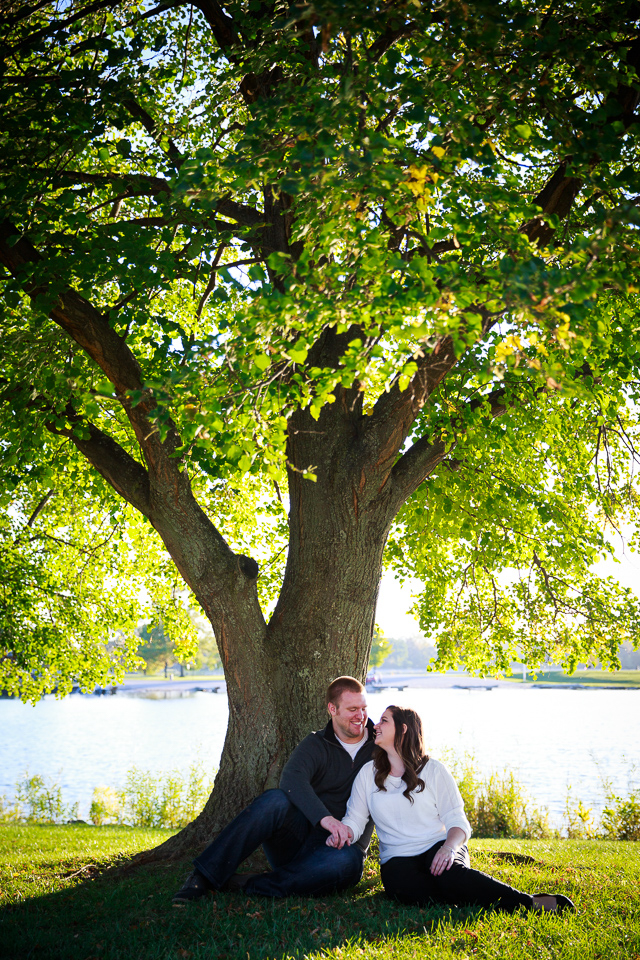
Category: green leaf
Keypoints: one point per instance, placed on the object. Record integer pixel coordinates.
(262, 361)
(256, 272)
(297, 354)
(523, 130)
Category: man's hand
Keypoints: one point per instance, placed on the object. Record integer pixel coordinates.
(339, 834)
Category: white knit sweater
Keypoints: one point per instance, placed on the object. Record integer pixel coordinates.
(405, 829)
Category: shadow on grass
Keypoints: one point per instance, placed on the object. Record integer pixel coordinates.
(130, 915)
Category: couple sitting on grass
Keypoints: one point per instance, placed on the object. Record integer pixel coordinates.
(339, 783)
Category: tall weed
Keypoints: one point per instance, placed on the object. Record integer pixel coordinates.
(579, 820)
(498, 805)
(39, 800)
(9, 812)
(153, 800)
(621, 817)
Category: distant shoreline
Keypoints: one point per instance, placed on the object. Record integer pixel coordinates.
(583, 680)
(175, 686)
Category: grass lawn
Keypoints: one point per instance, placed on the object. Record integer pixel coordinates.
(54, 903)
(587, 678)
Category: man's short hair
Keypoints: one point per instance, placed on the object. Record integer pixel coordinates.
(339, 686)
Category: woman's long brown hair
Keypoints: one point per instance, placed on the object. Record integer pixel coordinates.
(409, 746)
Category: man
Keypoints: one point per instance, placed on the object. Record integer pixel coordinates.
(293, 822)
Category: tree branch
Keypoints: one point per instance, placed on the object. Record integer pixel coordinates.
(79, 318)
(386, 40)
(39, 508)
(394, 412)
(161, 8)
(240, 212)
(556, 197)
(125, 474)
(57, 25)
(222, 26)
(424, 455)
(150, 125)
(90, 329)
(163, 490)
(560, 191)
(121, 471)
(23, 13)
(139, 184)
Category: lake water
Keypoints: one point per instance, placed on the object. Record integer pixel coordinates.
(552, 739)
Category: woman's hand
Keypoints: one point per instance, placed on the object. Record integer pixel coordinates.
(338, 833)
(442, 861)
(446, 854)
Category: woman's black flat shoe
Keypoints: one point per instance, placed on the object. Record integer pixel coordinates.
(562, 903)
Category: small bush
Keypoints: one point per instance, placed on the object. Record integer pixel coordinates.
(43, 800)
(621, 817)
(579, 821)
(499, 806)
(9, 812)
(153, 800)
(105, 807)
(503, 809)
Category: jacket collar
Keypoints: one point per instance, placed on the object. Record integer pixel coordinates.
(329, 733)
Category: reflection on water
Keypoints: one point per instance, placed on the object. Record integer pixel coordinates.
(159, 694)
(551, 738)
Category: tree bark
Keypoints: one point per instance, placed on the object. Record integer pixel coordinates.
(323, 623)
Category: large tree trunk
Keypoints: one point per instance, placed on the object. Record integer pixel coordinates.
(322, 625)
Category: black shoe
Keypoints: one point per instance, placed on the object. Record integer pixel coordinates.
(562, 903)
(239, 881)
(195, 887)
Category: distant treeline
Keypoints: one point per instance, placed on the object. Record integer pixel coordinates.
(629, 658)
(409, 653)
(414, 653)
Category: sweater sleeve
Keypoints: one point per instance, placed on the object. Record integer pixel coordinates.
(304, 764)
(357, 815)
(448, 800)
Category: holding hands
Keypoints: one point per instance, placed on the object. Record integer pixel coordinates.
(339, 834)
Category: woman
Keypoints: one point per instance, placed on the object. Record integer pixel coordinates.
(421, 825)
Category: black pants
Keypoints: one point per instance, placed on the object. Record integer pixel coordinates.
(303, 864)
(409, 880)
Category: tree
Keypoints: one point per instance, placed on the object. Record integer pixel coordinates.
(159, 649)
(73, 587)
(307, 282)
(410, 653)
(156, 648)
(380, 649)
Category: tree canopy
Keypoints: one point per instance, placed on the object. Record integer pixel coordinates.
(223, 228)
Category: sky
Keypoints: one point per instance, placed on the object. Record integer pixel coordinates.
(394, 599)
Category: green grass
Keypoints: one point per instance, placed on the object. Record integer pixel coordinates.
(590, 678)
(52, 908)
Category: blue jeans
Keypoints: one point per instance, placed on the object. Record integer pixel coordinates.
(302, 864)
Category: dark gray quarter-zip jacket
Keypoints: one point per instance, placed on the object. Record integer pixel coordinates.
(319, 774)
